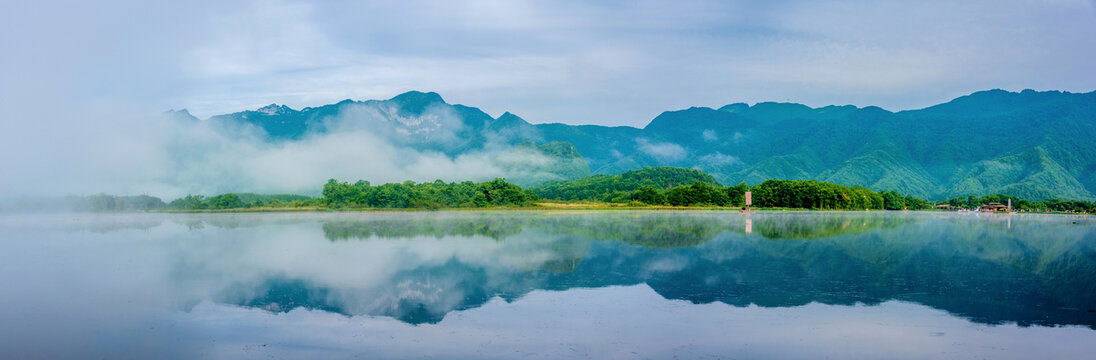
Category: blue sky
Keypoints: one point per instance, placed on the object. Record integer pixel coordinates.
(613, 62)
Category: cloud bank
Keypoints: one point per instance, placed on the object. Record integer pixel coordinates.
(173, 155)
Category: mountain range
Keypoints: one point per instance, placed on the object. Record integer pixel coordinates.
(1030, 144)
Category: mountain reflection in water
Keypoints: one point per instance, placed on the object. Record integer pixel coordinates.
(418, 267)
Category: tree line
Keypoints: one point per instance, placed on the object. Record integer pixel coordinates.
(242, 201)
(429, 195)
(659, 186)
(114, 203)
(122, 203)
(799, 194)
(620, 188)
(676, 186)
(1058, 205)
(806, 194)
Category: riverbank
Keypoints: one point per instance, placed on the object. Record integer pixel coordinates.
(558, 206)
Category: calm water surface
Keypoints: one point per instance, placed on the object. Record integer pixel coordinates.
(548, 285)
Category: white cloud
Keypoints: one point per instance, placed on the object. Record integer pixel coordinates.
(717, 159)
(662, 150)
(171, 158)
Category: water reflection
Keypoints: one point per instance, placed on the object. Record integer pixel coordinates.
(420, 267)
(647, 229)
(1040, 273)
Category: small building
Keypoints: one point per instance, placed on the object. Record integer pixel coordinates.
(946, 207)
(993, 207)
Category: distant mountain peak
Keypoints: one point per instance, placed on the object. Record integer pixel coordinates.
(181, 114)
(275, 109)
(508, 116)
(695, 118)
(993, 102)
(415, 102)
(508, 120)
(1005, 94)
(736, 107)
(780, 106)
(418, 97)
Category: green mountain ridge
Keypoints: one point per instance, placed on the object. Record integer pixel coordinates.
(1031, 144)
(881, 170)
(1028, 174)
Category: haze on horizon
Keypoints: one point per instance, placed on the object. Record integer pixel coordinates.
(81, 80)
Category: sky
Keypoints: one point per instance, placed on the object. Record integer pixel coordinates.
(576, 62)
(82, 79)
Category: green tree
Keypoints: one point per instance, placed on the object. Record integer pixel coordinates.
(893, 201)
(226, 201)
(649, 195)
(699, 193)
(189, 202)
(736, 195)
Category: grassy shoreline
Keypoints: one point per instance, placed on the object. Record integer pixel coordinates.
(578, 206)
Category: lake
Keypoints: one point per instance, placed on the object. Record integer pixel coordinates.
(548, 285)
